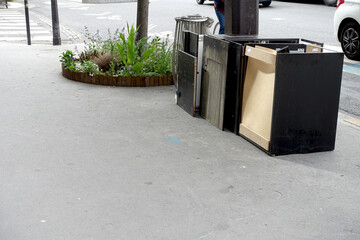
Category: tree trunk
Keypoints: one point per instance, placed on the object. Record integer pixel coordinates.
(142, 18)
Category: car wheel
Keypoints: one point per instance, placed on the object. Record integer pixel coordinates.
(266, 4)
(200, 1)
(350, 40)
(331, 3)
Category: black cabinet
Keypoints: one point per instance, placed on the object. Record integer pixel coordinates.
(280, 94)
(290, 100)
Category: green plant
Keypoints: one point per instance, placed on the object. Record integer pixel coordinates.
(160, 61)
(112, 69)
(132, 53)
(68, 59)
(94, 46)
(103, 61)
(90, 67)
(109, 45)
(120, 54)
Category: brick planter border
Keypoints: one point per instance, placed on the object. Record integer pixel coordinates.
(121, 81)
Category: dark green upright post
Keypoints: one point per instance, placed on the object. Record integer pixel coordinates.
(55, 23)
(27, 20)
(242, 17)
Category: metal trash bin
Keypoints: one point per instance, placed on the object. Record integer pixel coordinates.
(193, 23)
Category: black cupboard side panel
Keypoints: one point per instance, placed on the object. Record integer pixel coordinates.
(187, 69)
(306, 102)
(191, 43)
(232, 112)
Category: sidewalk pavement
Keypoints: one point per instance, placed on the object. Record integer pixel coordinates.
(81, 162)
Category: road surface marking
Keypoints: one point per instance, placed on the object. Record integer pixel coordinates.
(13, 28)
(97, 14)
(12, 17)
(35, 38)
(113, 17)
(278, 19)
(353, 121)
(80, 8)
(151, 26)
(22, 32)
(11, 14)
(352, 68)
(16, 24)
(20, 28)
(13, 21)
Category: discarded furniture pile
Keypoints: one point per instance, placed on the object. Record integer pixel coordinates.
(282, 95)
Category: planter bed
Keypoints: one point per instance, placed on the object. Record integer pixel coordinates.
(121, 81)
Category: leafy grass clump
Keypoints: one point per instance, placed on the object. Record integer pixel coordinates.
(120, 54)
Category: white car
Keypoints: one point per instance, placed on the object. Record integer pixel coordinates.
(330, 3)
(347, 27)
(267, 3)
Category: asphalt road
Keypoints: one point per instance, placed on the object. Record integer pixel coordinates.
(283, 19)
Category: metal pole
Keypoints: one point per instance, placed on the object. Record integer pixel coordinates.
(142, 18)
(242, 17)
(27, 22)
(55, 23)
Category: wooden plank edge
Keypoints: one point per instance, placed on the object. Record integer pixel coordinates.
(253, 136)
(195, 83)
(267, 56)
(121, 81)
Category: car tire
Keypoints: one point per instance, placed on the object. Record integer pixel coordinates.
(200, 1)
(331, 3)
(266, 4)
(350, 40)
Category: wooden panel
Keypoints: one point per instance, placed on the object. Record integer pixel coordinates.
(186, 94)
(293, 47)
(215, 58)
(258, 94)
(213, 95)
(266, 55)
(250, 134)
(313, 49)
(192, 46)
(306, 101)
(125, 81)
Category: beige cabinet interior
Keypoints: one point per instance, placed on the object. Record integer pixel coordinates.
(258, 95)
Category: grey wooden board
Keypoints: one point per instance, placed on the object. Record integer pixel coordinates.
(215, 58)
(187, 71)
